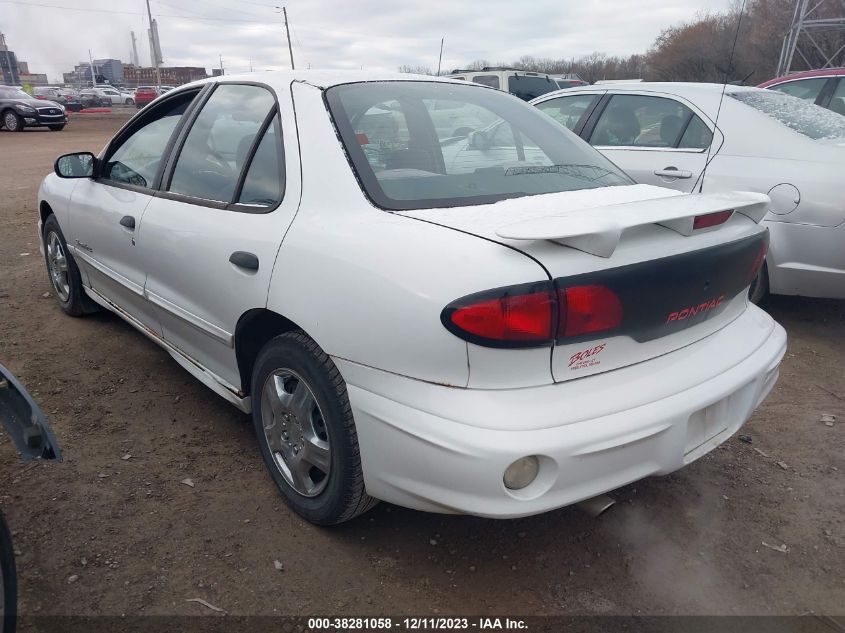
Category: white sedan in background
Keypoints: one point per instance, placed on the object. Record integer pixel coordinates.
(663, 134)
(497, 324)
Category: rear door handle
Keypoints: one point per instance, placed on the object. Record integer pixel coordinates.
(673, 172)
(242, 259)
(128, 221)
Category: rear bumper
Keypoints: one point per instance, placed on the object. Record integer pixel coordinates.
(444, 449)
(807, 260)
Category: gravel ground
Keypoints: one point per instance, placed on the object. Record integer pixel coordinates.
(112, 530)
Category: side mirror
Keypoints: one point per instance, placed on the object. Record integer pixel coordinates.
(78, 165)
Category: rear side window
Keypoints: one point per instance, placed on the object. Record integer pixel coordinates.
(217, 147)
(487, 80)
(264, 182)
(807, 89)
(642, 121)
(837, 103)
(568, 111)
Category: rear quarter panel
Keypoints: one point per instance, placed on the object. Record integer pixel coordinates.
(369, 285)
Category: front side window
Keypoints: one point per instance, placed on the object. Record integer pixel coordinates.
(806, 89)
(136, 160)
(641, 121)
(802, 117)
(568, 111)
(429, 144)
(217, 146)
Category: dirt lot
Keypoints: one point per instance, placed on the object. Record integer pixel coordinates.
(139, 541)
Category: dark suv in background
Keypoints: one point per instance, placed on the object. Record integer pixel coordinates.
(19, 110)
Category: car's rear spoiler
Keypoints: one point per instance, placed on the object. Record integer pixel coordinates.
(597, 230)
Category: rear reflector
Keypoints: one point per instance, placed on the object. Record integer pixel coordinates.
(587, 309)
(711, 220)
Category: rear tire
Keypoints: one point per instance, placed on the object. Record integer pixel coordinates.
(12, 121)
(305, 429)
(8, 580)
(759, 288)
(63, 272)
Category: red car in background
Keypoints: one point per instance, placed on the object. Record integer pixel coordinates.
(825, 88)
(144, 95)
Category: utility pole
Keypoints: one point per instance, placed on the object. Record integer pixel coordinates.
(287, 30)
(221, 65)
(154, 46)
(440, 59)
(93, 74)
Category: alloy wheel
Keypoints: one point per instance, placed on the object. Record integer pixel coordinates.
(296, 432)
(10, 120)
(57, 266)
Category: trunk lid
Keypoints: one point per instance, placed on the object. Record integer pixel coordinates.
(674, 282)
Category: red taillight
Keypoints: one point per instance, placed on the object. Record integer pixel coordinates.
(532, 315)
(586, 310)
(711, 219)
(509, 318)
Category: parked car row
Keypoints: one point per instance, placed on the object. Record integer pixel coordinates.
(489, 318)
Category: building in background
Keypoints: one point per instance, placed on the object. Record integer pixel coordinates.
(110, 69)
(9, 72)
(107, 71)
(170, 75)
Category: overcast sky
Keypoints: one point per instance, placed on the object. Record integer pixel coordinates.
(373, 34)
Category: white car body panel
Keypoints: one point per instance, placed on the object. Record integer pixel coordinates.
(444, 450)
(438, 419)
(754, 152)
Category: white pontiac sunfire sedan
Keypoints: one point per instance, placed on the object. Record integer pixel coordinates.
(490, 320)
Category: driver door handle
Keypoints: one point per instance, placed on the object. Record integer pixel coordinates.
(242, 259)
(673, 172)
(128, 221)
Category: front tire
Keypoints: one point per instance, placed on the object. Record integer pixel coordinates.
(129, 102)
(12, 122)
(8, 580)
(57, 128)
(306, 432)
(64, 275)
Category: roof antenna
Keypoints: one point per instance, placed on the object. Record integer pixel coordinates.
(722, 97)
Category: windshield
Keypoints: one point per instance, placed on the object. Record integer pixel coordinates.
(13, 93)
(425, 144)
(796, 114)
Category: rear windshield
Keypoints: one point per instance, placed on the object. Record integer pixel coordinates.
(425, 144)
(796, 114)
(528, 87)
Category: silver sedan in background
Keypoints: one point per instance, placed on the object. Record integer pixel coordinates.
(765, 141)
